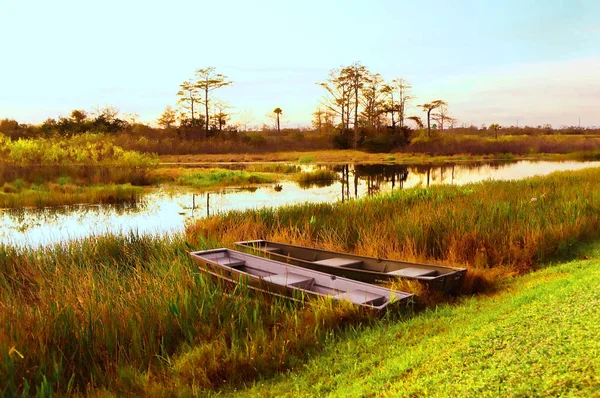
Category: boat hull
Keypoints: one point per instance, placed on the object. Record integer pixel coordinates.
(361, 268)
(264, 280)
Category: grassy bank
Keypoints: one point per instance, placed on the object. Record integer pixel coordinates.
(21, 194)
(538, 338)
(511, 226)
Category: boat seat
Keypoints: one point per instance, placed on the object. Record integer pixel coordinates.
(413, 272)
(230, 262)
(290, 279)
(359, 296)
(271, 249)
(340, 262)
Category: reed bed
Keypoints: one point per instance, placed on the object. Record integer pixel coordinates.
(132, 315)
(282, 168)
(511, 226)
(317, 177)
(220, 177)
(17, 195)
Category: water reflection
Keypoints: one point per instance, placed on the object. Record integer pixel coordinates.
(165, 212)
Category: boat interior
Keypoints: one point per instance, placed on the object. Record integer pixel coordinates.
(281, 274)
(395, 268)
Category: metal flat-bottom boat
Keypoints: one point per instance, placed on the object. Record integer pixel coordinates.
(274, 277)
(360, 268)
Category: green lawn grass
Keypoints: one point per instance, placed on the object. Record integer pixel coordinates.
(537, 338)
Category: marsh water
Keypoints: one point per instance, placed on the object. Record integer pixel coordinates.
(165, 210)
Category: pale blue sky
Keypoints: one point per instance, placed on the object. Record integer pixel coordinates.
(493, 61)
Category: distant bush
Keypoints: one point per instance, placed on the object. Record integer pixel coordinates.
(386, 140)
(342, 139)
(88, 149)
(319, 178)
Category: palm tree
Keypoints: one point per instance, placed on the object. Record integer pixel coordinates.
(278, 112)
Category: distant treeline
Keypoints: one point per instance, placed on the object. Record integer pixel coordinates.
(186, 139)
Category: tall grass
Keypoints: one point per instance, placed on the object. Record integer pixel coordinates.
(317, 177)
(85, 159)
(445, 144)
(84, 149)
(132, 315)
(209, 178)
(20, 194)
(512, 225)
(283, 168)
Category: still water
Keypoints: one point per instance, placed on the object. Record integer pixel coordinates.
(168, 211)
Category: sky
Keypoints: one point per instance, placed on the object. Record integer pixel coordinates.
(529, 62)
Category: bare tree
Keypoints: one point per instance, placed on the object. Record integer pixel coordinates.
(188, 96)
(131, 118)
(372, 101)
(337, 99)
(323, 120)
(220, 115)
(398, 95)
(357, 75)
(442, 116)
(244, 118)
(168, 118)
(428, 107)
(208, 81)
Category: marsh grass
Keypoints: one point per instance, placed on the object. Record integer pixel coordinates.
(513, 226)
(317, 177)
(132, 315)
(505, 146)
(283, 168)
(209, 178)
(19, 194)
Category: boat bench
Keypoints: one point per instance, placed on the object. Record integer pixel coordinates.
(230, 262)
(359, 296)
(290, 279)
(340, 262)
(271, 249)
(413, 272)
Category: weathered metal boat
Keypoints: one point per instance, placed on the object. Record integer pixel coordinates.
(280, 279)
(360, 268)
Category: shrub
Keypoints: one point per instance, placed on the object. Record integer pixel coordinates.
(387, 140)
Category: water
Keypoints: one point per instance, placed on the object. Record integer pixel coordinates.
(164, 212)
